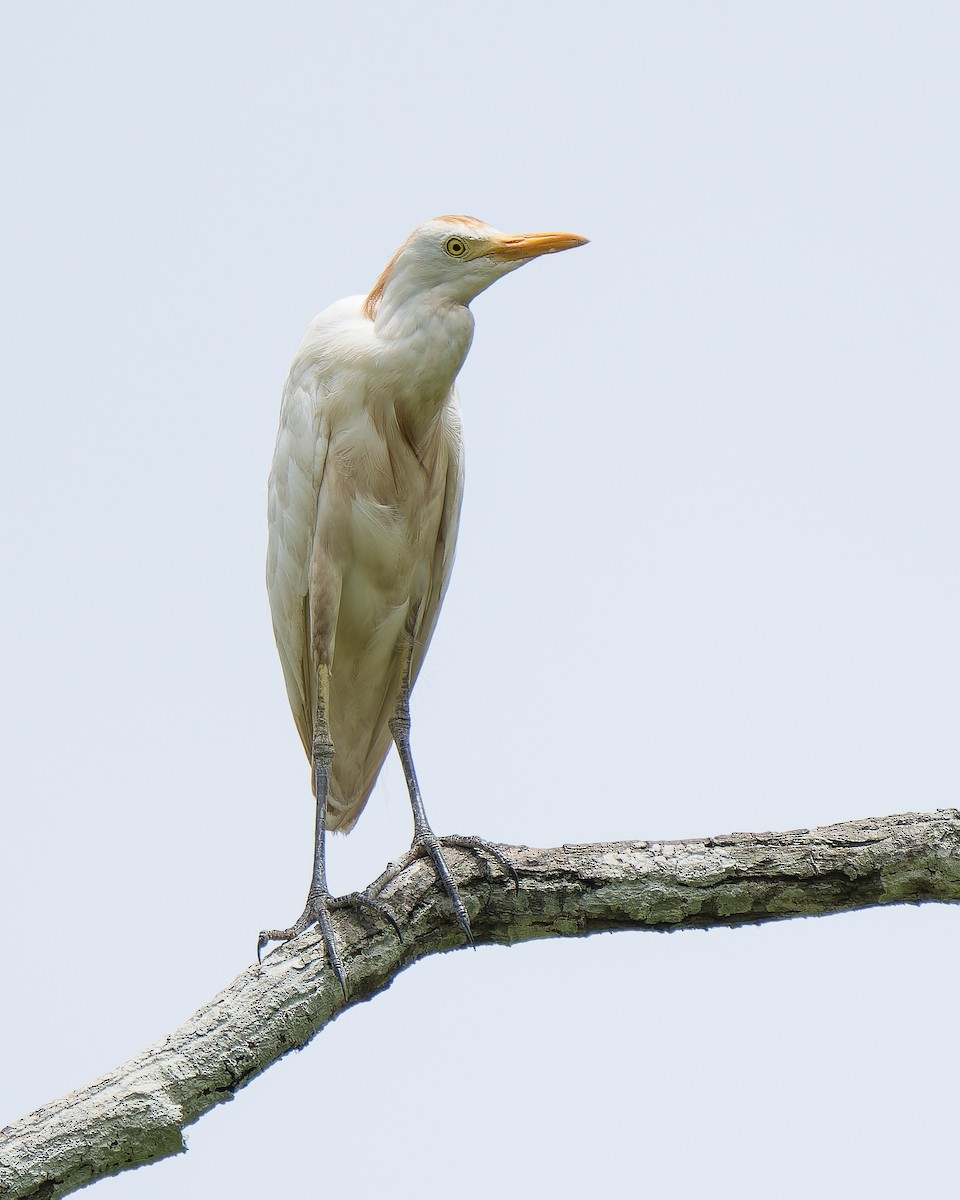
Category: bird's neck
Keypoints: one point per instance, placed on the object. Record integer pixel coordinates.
(421, 348)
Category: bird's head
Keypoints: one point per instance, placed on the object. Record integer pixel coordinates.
(450, 260)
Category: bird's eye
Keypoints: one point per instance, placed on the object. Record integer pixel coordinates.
(455, 247)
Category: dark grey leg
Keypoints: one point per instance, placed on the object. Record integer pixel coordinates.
(425, 840)
(320, 903)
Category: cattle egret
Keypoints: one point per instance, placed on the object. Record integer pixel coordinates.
(364, 503)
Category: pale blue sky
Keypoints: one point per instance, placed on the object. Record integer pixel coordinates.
(707, 576)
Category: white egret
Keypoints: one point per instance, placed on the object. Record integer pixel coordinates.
(363, 508)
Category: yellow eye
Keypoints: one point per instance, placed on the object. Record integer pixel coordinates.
(455, 247)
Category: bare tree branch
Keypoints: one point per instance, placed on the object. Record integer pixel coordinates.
(137, 1113)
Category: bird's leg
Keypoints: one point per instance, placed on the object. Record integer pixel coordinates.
(319, 901)
(425, 840)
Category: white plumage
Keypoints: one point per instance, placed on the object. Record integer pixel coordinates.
(370, 516)
(363, 506)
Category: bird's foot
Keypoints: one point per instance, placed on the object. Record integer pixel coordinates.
(481, 847)
(427, 844)
(317, 912)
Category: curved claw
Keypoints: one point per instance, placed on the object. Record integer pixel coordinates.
(266, 936)
(367, 903)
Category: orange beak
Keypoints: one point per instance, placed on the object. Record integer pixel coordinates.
(531, 245)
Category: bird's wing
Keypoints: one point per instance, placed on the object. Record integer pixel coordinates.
(293, 489)
(294, 484)
(447, 533)
(346, 806)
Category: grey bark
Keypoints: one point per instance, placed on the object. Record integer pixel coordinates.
(137, 1113)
